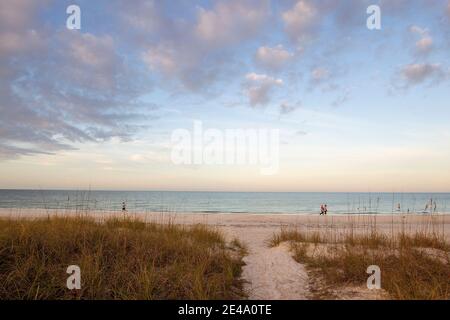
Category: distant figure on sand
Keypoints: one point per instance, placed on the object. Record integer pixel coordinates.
(124, 207)
(430, 207)
(322, 209)
(325, 209)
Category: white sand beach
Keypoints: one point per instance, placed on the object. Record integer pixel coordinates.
(271, 273)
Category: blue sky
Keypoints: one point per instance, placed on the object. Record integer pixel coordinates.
(357, 109)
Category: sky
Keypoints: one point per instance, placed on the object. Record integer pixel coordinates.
(356, 109)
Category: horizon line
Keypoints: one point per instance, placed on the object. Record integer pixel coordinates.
(210, 191)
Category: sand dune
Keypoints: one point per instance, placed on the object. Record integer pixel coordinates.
(271, 273)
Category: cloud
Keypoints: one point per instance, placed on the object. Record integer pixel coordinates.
(418, 30)
(286, 108)
(424, 45)
(150, 156)
(394, 6)
(415, 74)
(142, 15)
(322, 77)
(231, 21)
(59, 87)
(327, 79)
(89, 61)
(320, 74)
(352, 13)
(301, 20)
(198, 53)
(273, 58)
(17, 34)
(161, 58)
(258, 88)
(344, 96)
(17, 14)
(8, 152)
(62, 87)
(184, 66)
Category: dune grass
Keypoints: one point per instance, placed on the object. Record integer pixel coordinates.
(413, 266)
(118, 258)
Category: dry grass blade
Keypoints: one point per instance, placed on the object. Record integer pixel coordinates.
(119, 259)
(413, 266)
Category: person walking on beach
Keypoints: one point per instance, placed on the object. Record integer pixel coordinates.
(325, 209)
(322, 209)
(124, 209)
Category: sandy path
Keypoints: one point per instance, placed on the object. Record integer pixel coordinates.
(271, 273)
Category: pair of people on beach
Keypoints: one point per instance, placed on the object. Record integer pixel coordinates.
(323, 209)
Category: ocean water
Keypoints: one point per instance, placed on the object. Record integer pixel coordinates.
(227, 202)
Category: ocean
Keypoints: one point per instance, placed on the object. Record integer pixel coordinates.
(227, 202)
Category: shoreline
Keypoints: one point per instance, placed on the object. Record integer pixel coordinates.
(233, 223)
(37, 212)
(168, 212)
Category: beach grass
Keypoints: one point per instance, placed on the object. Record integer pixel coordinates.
(413, 266)
(119, 258)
